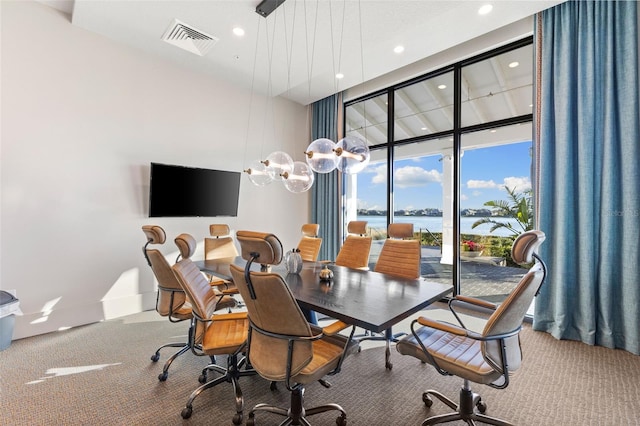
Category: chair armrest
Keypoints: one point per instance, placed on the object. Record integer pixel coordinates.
(230, 291)
(220, 283)
(335, 328)
(230, 316)
(443, 326)
(473, 301)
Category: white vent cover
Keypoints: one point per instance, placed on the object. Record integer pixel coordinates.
(188, 38)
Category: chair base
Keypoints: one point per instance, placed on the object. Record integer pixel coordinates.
(387, 336)
(230, 374)
(297, 414)
(464, 411)
(184, 347)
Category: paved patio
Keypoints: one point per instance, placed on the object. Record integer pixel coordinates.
(478, 278)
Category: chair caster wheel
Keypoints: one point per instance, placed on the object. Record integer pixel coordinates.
(273, 386)
(251, 421)
(482, 407)
(237, 419)
(186, 412)
(155, 357)
(427, 400)
(359, 349)
(163, 376)
(341, 421)
(203, 378)
(388, 365)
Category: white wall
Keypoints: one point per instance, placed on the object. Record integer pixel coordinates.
(82, 117)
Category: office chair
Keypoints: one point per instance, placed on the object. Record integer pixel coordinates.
(212, 334)
(310, 243)
(220, 246)
(400, 256)
(355, 250)
(171, 301)
(486, 358)
(283, 346)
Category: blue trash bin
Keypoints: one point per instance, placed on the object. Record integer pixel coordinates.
(9, 305)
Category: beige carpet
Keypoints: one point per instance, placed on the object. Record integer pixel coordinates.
(101, 374)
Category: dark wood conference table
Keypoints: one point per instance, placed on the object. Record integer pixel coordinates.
(367, 299)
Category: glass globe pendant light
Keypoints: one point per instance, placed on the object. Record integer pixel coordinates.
(320, 155)
(278, 163)
(258, 174)
(353, 154)
(300, 179)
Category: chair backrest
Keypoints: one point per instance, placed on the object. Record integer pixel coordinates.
(358, 227)
(199, 292)
(221, 245)
(309, 245)
(271, 308)
(310, 229)
(355, 250)
(186, 246)
(171, 297)
(254, 242)
(400, 257)
(510, 314)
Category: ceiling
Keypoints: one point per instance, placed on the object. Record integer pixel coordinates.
(298, 49)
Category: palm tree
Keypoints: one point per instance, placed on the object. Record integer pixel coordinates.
(519, 206)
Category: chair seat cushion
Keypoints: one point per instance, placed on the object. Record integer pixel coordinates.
(225, 334)
(183, 313)
(326, 355)
(458, 355)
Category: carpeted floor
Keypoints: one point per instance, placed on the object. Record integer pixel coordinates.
(101, 374)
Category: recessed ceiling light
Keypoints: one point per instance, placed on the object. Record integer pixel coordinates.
(442, 86)
(398, 49)
(339, 75)
(423, 128)
(514, 64)
(485, 9)
(530, 105)
(493, 131)
(238, 31)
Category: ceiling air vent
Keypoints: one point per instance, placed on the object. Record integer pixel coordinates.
(188, 38)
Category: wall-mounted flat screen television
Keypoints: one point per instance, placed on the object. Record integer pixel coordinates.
(179, 191)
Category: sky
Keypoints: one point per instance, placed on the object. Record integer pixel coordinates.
(418, 181)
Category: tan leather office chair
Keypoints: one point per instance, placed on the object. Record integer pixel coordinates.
(486, 358)
(212, 334)
(400, 256)
(283, 346)
(221, 245)
(310, 243)
(171, 301)
(355, 250)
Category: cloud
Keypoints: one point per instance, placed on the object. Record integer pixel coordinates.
(521, 184)
(380, 175)
(364, 205)
(407, 176)
(482, 184)
(415, 176)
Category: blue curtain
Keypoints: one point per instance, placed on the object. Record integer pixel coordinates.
(324, 192)
(588, 142)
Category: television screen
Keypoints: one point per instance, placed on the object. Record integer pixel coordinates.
(180, 191)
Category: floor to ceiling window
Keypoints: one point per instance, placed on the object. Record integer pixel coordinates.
(484, 104)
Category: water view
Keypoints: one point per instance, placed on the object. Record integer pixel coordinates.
(434, 224)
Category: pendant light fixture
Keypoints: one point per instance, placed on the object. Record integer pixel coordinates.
(350, 155)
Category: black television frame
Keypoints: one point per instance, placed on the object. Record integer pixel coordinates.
(182, 191)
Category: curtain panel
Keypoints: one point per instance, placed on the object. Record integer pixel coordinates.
(588, 183)
(324, 192)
